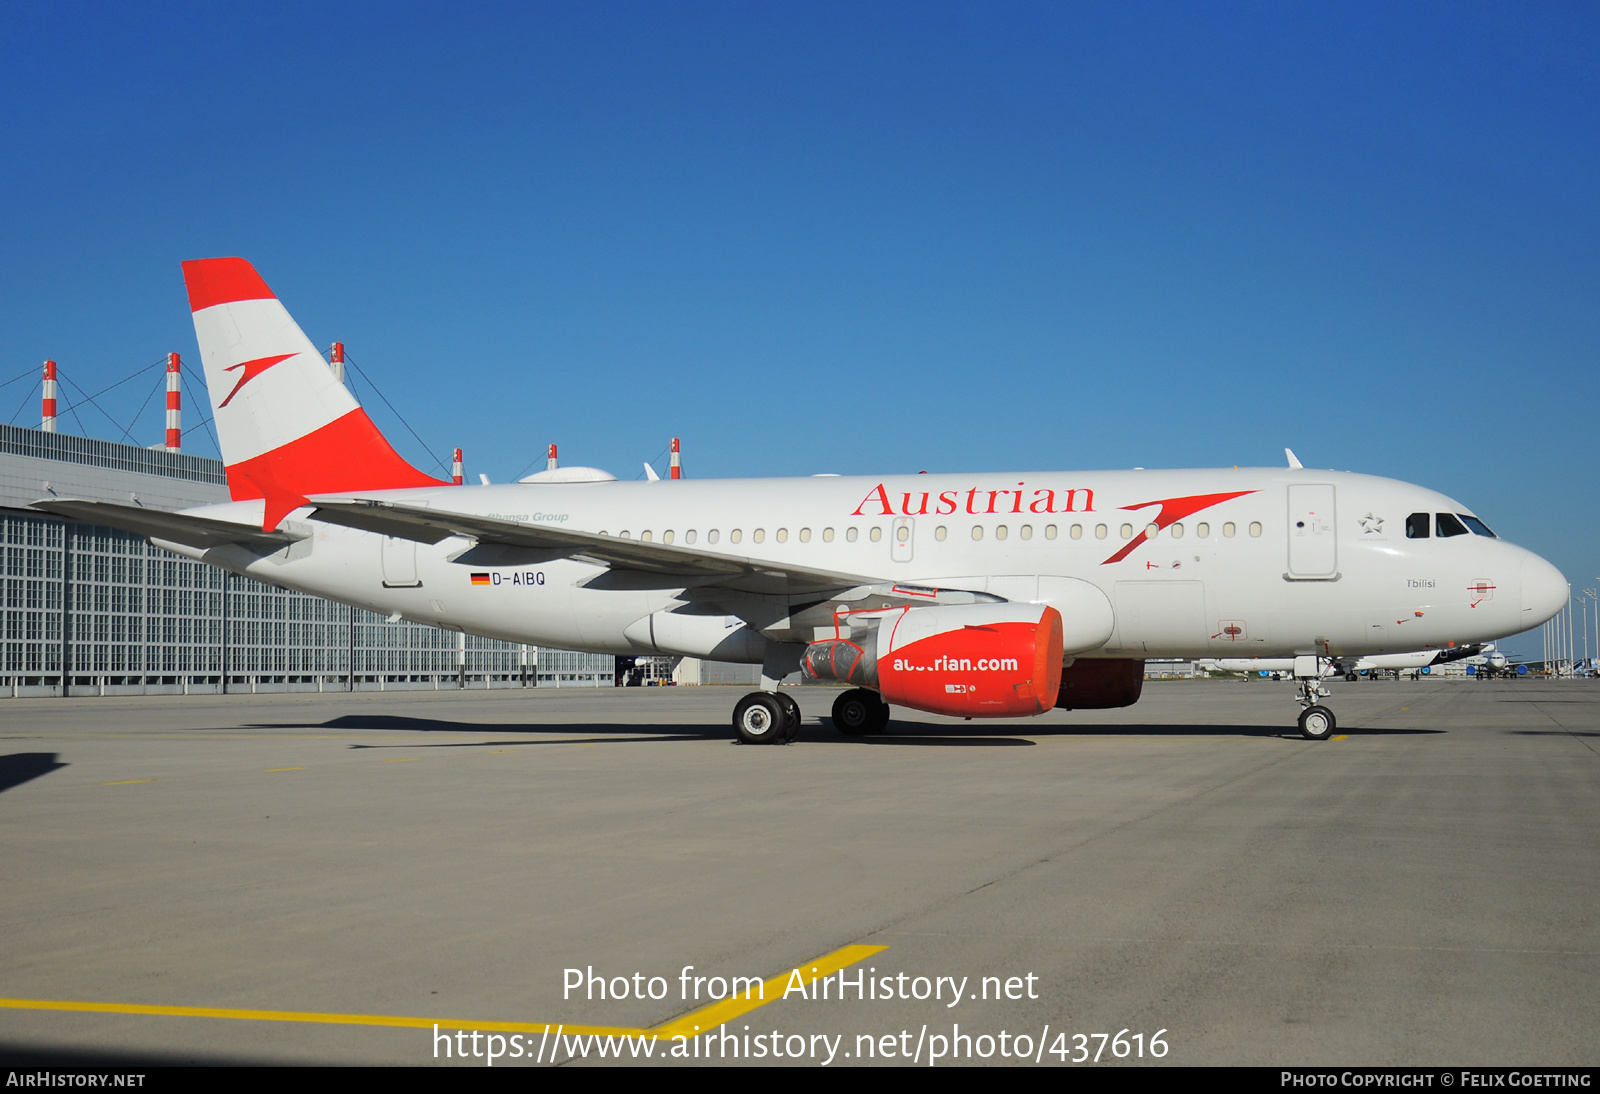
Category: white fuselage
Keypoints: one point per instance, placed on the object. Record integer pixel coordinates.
(1316, 562)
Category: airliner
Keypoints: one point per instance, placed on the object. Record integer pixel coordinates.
(970, 595)
(1351, 665)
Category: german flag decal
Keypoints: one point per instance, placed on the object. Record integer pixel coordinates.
(480, 579)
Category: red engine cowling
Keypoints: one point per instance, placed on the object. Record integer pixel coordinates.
(966, 660)
(1101, 683)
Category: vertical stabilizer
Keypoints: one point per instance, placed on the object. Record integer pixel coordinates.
(287, 426)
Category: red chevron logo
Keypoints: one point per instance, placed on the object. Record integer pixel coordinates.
(252, 369)
(1172, 511)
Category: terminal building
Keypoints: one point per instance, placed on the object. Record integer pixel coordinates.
(89, 610)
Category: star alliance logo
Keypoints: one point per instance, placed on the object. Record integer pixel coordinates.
(1370, 524)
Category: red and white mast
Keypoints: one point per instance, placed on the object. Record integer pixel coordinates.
(174, 405)
(48, 422)
(677, 467)
(550, 463)
(336, 360)
(455, 468)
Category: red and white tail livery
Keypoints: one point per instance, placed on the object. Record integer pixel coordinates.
(288, 428)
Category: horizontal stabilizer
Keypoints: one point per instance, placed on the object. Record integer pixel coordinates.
(192, 531)
(432, 525)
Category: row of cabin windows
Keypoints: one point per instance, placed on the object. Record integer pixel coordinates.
(903, 533)
(1445, 525)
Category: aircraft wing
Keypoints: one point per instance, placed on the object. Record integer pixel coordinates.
(623, 556)
(192, 531)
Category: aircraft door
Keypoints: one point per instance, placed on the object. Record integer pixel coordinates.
(901, 537)
(400, 561)
(1313, 545)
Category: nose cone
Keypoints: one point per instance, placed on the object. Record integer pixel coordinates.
(1544, 591)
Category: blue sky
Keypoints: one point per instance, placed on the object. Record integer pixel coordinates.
(853, 238)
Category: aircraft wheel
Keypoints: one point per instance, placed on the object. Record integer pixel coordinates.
(855, 711)
(791, 711)
(880, 718)
(760, 719)
(1317, 723)
(1350, 676)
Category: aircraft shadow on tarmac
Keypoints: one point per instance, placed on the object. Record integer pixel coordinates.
(21, 767)
(899, 732)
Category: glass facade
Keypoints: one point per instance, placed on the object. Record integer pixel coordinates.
(125, 617)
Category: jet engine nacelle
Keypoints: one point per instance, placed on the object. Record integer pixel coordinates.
(965, 660)
(1101, 683)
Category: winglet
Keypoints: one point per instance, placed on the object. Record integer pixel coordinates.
(1294, 461)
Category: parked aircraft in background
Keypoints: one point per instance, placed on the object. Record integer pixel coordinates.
(1351, 665)
(972, 595)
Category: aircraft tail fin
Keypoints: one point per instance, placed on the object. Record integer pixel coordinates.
(287, 427)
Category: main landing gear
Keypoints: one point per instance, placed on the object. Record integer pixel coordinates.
(1317, 722)
(859, 711)
(766, 718)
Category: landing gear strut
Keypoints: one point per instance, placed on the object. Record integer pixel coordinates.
(766, 717)
(859, 711)
(1316, 721)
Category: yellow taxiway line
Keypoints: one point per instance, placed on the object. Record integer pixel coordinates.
(707, 1017)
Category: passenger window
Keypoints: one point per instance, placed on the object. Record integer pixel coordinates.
(645, 536)
(940, 532)
(735, 536)
(688, 537)
(1026, 531)
(666, 537)
(1203, 530)
(1077, 531)
(1255, 528)
(902, 533)
(783, 535)
(711, 536)
(759, 534)
(850, 535)
(1099, 531)
(1417, 526)
(1446, 524)
(876, 534)
(977, 531)
(827, 535)
(1152, 530)
(1478, 527)
(1177, 531)
(1050, 531)
(1127, 531)
(1000, 532)
(1228, 530)
(805, 535)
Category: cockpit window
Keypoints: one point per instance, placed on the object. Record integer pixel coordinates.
(1417, 526)
(1478, 527)
(1447, 525)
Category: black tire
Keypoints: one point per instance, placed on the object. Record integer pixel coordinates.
(880, 719)
(855, 711)
(1352, 677)
(791, 710)
(1317, 723)
(760, 719)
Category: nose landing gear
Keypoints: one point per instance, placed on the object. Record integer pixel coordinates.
(1317, 722)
